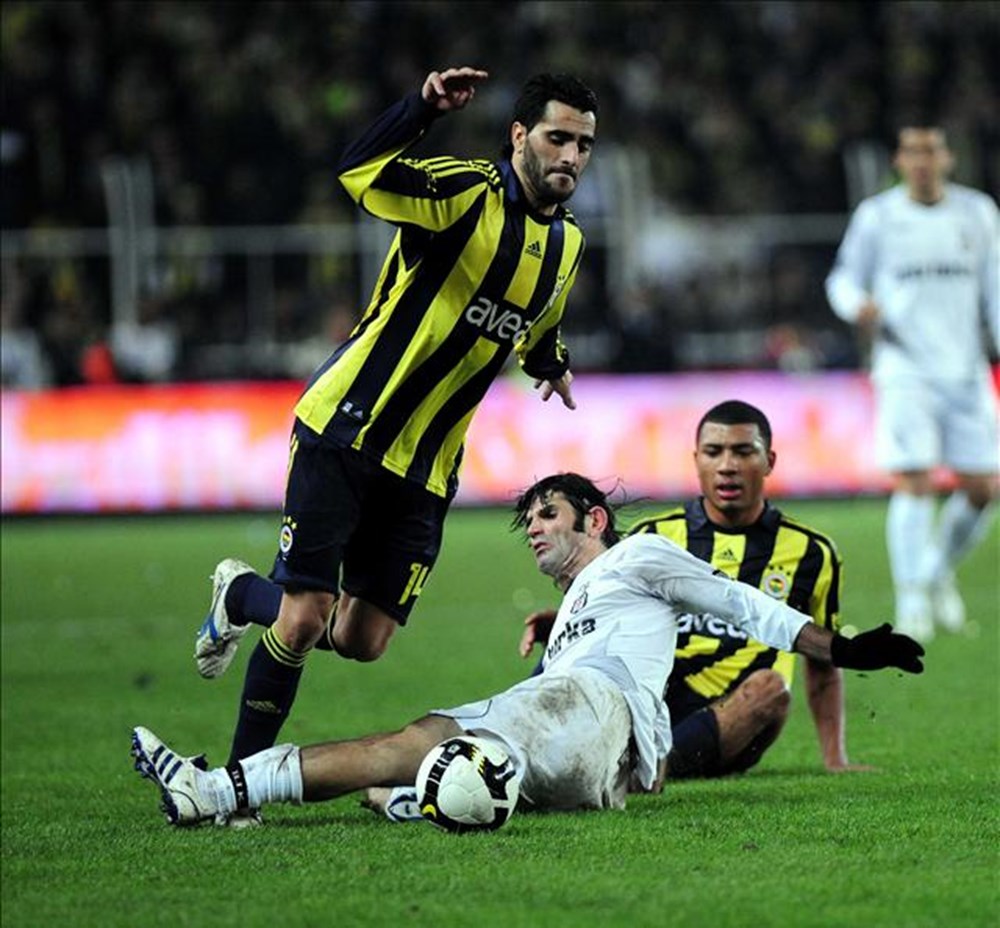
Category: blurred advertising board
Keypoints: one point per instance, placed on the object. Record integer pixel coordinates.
(224, 446)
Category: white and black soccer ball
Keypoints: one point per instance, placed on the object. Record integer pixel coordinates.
(467, 784)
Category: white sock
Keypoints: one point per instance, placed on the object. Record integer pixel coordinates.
(274, 775)
(909, 535)
(271, 775)
(217, 784)
(961, 526)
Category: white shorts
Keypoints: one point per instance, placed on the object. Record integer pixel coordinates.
(569, 734)
(923, 424)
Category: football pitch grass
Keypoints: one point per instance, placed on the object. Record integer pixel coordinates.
(97, 626)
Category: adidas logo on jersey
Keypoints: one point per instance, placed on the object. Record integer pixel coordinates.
(353, 411)
(534, 249)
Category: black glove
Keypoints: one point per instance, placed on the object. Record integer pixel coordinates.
(878, 648)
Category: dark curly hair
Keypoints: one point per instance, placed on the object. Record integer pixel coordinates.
(581, 493)
(536, 94)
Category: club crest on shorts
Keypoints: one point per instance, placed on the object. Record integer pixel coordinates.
(286, 537)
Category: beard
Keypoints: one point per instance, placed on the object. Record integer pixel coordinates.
(545, 191)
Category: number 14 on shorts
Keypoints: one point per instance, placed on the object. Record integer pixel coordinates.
(415, 585)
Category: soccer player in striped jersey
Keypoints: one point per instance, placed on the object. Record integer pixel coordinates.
(916, 271)
(483, 260)
(579, 731)
(729, 695)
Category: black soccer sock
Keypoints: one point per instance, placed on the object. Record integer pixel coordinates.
(695, 752)
(269, 688)
(253, 598)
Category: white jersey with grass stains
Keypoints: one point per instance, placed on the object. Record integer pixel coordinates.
(620, 616)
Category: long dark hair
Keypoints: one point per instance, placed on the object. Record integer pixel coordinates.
(581, 493)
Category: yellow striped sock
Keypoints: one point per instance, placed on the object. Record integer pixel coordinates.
(280, 651)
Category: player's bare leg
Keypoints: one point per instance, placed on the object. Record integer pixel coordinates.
(752, 716)
(361, 631)
(338, 767)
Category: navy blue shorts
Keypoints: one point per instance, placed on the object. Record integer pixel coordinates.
(351, 524)
(683, 702)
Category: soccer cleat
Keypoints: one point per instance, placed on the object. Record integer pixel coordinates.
(947, 605)
(398, 804)
(218, 638)
(176, 776)
(913, 614)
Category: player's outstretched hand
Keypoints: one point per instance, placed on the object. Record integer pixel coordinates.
(560, 386)
(451, 89)
(878, 648)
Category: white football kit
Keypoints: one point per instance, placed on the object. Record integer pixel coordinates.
(611, 648)
(933, 272)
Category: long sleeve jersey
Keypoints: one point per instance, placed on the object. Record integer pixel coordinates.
(933, 272)
(473, 273)
(621, 613)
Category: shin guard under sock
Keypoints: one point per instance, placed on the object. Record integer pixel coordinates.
(272, 679)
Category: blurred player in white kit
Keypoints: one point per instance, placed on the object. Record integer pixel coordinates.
(917, 270)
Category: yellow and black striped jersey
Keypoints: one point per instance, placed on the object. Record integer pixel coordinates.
(473, 273)
(785, 559)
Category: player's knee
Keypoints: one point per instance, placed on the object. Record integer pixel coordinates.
(769, 696)
(363, 641)
(353, 649)
(980, 493)
(914, 483)
(303, 618)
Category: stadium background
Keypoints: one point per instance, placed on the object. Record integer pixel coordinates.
(170, 216)
(170, 222)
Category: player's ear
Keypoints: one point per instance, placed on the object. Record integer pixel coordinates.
(598, 516)
(771, 458)
(518, 133)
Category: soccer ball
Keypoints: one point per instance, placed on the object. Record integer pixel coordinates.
(467, 784)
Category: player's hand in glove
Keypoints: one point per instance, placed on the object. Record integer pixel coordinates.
(875, 649)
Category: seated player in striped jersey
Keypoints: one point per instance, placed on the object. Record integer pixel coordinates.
(484, 258)
(729, 695)
(592, 722)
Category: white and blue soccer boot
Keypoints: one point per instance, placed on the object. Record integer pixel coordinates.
(217, 640)
(177, 778)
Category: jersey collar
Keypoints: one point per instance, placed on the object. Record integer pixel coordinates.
(516, 195)
(699, 519)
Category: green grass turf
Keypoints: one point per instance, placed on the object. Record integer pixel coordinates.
(97, 630)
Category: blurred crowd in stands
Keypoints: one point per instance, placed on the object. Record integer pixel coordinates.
(240, 111)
